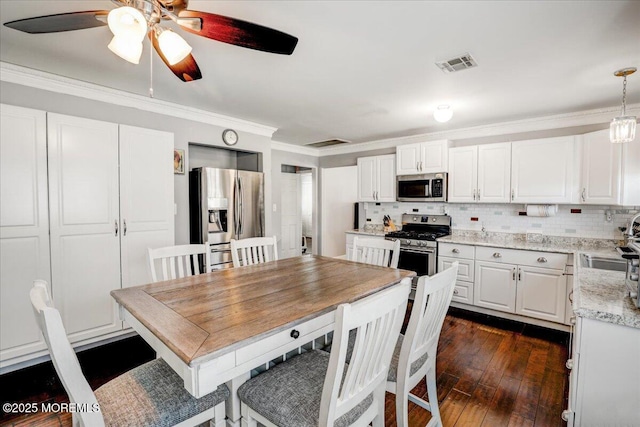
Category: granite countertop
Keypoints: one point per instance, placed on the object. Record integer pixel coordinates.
(597, 294)
(367, 232)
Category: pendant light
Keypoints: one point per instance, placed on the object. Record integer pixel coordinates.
(623, 128)
(129, 27)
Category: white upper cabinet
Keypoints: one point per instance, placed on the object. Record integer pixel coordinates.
(24, 226)
(610, 173)
(601, 167)
(377, 178)
(480, 173)
(422, 157)
(544, 170)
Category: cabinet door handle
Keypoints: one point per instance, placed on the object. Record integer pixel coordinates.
(514, 274)
(420, 165)
(583, 194)
(455, 250)
(519, 274)
(513, 194)
(497, 255)
(478, 194)
(542, 259)
(116, 225)
(474, 194)
(573, 319)
(124, 227)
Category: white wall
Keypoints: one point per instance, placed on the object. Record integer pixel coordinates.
(338, 194)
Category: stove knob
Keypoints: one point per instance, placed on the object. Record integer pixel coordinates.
(633, 277)
(406, 242)
(423, 244)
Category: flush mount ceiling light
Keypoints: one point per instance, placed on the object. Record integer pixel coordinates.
(623, 128)
(443, 113)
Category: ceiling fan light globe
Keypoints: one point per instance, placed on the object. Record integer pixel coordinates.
(622, 129)
(443, 113)
(173, 47)
(129, 50)
(127, 21)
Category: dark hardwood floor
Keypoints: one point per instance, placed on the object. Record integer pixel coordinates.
(491, 372)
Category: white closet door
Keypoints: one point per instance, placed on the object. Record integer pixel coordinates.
(24, 226)
(84, 222)
(291, 215)
(146, 198)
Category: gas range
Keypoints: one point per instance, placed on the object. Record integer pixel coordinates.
(421, 231)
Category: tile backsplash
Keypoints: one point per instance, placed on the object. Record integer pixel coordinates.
(592, 221)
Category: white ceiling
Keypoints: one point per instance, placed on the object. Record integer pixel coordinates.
(364, 70)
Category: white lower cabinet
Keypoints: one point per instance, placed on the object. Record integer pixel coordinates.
(351, 236)
(110, 196)
(604, 378)
(520, 282)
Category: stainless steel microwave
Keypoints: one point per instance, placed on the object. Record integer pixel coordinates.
(428, 187)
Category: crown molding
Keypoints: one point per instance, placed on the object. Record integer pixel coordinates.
(581, 118)
(299, 149)
(12, 73)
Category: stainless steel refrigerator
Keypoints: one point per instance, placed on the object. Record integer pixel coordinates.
(225, 204)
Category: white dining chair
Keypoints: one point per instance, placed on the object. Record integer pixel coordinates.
(380, 252)
(176, 262)
(415, 355)
(318, 388)
(254, 250)
(152, 394)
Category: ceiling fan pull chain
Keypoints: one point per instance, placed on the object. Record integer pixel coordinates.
(150, 72)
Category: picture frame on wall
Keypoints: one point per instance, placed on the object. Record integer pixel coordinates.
(178, 161)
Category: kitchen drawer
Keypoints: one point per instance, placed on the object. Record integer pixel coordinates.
(463, 292)
(521, 257)
(455, 250)
(465, 267)
(283, 341)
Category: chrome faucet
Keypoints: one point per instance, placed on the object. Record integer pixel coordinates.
(629, 231)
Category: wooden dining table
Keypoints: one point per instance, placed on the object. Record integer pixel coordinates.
(215, 328)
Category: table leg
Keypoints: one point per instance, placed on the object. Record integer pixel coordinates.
(233, 402)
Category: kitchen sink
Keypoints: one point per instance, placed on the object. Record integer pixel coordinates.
(591, 261)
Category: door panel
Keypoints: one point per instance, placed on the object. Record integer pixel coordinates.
(84, 223)
(146, 199)
(251, 193)
(24, 226)
(495, 286)
(494, 173)
(463, 174)
(291, 217)
(541, 293)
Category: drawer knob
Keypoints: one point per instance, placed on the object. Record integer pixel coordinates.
(455, 292)
(497, 255)
(455, 251)
(295, 334)
(542, 259)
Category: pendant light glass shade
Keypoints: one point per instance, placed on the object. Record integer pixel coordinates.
(443, 113)
(173, 47)
(126, 49)
(623, 128)
(127, 22)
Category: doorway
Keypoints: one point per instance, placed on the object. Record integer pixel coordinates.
(297, 210)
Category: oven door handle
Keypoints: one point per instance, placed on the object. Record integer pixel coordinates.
(411, 251)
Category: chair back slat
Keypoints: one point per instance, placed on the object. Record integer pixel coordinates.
(63, 357)
(255, 250)
(376, 322)
(176, 262)
(432, 300)
(385, 253)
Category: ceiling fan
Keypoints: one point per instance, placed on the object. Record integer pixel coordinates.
(134, 19)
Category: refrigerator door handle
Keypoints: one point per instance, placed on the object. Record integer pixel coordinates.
(236, 216)
(241, 204)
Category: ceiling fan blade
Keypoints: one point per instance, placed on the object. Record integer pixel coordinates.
(238, 32)
(186, 70)
(60, 22)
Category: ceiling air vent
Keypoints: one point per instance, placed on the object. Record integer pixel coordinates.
(461, 62)
(327, 143)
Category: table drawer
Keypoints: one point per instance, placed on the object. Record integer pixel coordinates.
(463, 292)
(283, 338)
(522, 257)
(466, 267)
(455, 250)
